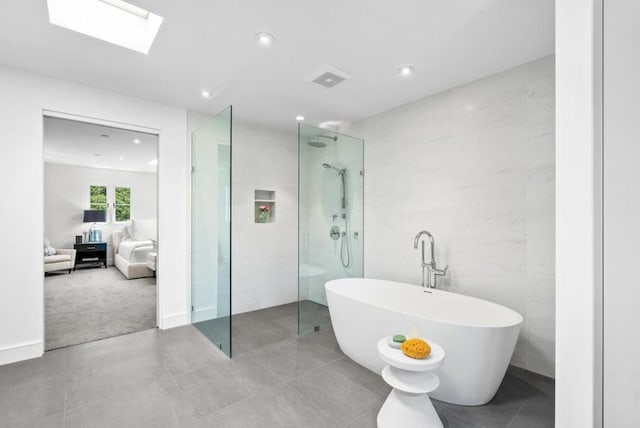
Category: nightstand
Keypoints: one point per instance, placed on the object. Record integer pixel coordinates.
(91, 254)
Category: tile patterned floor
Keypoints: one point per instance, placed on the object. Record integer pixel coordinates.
(281, 322)
(178, 378)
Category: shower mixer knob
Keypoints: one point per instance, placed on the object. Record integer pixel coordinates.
(334, 233)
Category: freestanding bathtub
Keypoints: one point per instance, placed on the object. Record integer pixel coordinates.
(478, 336)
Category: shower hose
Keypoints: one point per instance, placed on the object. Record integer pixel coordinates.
(345, 243)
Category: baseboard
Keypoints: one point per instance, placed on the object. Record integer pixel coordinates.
(175, 320)
(204, 314)
(21, 352)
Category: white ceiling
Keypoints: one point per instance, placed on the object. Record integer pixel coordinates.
(83, 144)
(204, 44)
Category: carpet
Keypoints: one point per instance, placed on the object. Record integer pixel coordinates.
(92, 304)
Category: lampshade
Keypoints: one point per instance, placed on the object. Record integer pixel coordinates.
(94, 216)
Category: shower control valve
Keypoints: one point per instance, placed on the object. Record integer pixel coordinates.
(334, 233)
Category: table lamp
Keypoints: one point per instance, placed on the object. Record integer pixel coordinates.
(95, 216)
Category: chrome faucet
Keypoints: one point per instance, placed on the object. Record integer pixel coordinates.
(433, 271)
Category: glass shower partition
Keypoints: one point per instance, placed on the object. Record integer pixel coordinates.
(331, 218)
(211, 230)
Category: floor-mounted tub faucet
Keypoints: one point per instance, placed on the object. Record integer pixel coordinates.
(431, 267)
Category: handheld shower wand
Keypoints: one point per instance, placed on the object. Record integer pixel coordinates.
(342, 173)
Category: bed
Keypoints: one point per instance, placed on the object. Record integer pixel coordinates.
(132, 246)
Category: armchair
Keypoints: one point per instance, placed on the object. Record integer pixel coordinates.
(63, 259)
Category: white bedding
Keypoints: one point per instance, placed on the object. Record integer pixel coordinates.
(135, 251)
(141, 230)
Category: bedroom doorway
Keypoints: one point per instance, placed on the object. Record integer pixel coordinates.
(100, 242)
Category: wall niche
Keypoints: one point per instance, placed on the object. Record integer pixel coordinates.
(265, 206)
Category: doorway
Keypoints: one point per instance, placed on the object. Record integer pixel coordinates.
(100, 239)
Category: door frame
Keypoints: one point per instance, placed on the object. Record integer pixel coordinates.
(128, 127)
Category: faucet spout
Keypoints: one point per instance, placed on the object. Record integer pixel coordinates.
(431, 245)
(430, 278)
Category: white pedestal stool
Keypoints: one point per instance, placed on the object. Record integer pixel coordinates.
(408, 404)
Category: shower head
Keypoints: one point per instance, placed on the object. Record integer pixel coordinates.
(343, 189)
(317, 144)
(329, 166)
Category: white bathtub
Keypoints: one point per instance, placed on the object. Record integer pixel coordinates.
(478, 337)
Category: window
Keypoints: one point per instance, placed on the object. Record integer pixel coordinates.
(98, 198)
(118, 197)
(123, 204)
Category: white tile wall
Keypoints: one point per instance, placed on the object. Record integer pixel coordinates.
(319, 201)
(264, 256)
(475, 166)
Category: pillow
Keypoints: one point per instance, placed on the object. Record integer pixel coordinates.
(143, 230)
(48, 249)
(125, 234)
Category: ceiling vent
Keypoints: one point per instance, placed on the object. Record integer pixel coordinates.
(328, 76)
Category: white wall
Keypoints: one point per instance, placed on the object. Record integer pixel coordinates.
(66, 195)
(210, 244)
(576, 212)
(264, 256)
(264, 260)
(621, 388)
(474, 165)
(320, 191)
(24, 97)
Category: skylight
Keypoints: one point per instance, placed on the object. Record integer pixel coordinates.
(114, 21)
(128, 7)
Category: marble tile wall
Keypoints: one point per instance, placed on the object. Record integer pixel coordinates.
(320, 200)
(264, 256)
(475, 166)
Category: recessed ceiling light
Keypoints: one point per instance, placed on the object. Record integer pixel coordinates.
(265, 39)
(299, 118)
(406, 70)
(136, 141)
(209, 95)
(114, 21)
(154, 162)
(121, 157)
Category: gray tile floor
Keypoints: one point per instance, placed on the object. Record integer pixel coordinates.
(178, 378)
(312, 316)
(281, 321)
